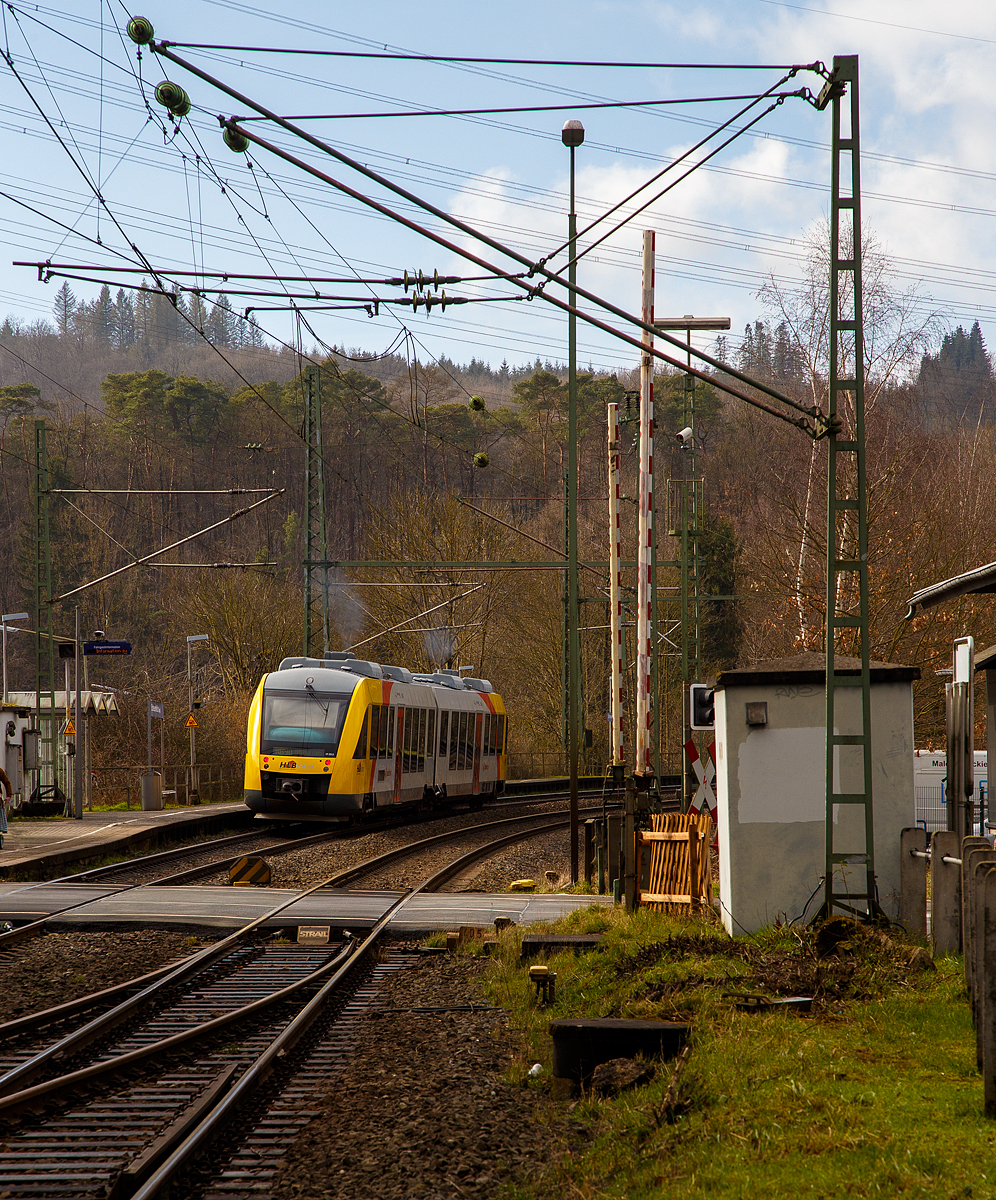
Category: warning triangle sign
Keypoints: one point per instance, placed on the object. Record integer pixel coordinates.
(69, 729)
(190, 722)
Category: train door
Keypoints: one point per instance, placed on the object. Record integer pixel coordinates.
(399, 740)
(478, 720)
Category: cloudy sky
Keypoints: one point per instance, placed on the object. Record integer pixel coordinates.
(186, 202)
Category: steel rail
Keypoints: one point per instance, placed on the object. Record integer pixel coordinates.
(62, 1085)
(212, 1107)
(123, 1011)
(264, 1066)
(179, 972)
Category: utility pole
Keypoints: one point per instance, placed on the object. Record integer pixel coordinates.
(850, 851)
(645, 600)
(44, 639)
(691, 493)
(615, 596)
(316, 552)
(572, 135)
(79, 735)
(194, 786)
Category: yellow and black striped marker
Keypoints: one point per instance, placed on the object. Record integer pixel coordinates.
(249, 871)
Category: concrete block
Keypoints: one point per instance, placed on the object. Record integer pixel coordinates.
(989, 987)
(945, 894)
(913, 881)
(580, 1044)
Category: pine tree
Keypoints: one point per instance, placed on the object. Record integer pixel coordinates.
(64, 308)
(123, 336)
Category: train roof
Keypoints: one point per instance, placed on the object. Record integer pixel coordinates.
(342, 670)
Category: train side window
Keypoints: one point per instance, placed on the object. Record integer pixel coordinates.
(423, 725)
(406, 751)
(390, 732)
(454, 734)
(501, 733)
(361, 741)
(462, 755)
(444, 734)
(488, 731)
(374, 729)
(430, 737)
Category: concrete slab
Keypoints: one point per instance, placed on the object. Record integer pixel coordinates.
(230, 908)
(36, 845)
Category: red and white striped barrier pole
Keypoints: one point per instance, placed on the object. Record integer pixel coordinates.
(644, 593)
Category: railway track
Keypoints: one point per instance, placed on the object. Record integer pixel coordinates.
(234, 1043)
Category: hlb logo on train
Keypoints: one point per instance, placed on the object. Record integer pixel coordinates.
(291, 763)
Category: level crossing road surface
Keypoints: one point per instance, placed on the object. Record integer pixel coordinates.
(33, 843)
(231, 908)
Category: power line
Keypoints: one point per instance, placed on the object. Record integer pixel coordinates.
(818, 67)
(474, 112)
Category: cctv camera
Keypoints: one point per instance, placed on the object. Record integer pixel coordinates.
(684, 436)
(98, 635)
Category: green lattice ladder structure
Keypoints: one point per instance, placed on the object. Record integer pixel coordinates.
(849, 882)
(316, 551)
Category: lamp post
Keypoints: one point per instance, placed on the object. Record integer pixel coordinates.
(9, 617)
(193, 788)
(572, 135)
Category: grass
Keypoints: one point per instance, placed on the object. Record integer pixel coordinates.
(875, 1094)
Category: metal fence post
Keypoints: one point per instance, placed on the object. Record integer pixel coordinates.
(968, 846)
(982, 1012)
(589, 850)
(629, 864)
(945, 894)
(913, 881)
(988, 1020)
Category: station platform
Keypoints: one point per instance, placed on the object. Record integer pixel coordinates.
(35, 845)
(194, 908)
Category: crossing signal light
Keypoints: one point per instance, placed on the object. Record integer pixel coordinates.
(702, 706)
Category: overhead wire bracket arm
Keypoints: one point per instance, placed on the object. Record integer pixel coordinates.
(470, 231)
(172, 546)
(802, 422)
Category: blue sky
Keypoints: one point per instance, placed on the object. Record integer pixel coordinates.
(929, 173)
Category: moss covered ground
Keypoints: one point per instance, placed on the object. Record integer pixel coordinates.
(875, 1093)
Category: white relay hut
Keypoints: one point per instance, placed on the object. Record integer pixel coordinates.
(771, 782)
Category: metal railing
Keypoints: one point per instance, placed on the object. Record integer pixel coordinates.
(112, 786)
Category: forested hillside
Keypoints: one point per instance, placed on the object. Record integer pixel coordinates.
(137, 402)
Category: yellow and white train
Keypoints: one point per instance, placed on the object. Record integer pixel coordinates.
(333, 739)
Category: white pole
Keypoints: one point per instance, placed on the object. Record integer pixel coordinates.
(644, 597)
(4, 662)
(615, 581)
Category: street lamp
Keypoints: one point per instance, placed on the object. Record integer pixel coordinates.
(9, 617)
(572, 135)
(193, 787)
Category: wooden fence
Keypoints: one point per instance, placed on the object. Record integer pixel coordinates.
(680, 862)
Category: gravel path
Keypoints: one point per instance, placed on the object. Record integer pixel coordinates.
(423, 1112)
(55, 967)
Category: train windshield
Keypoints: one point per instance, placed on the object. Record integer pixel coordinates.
(303, 722)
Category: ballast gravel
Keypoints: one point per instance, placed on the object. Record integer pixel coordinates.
(424, 1110)
(312, 864)
(56, 967)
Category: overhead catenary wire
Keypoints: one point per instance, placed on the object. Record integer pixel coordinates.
(465, 228)
(817, 67)
(573, 106)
